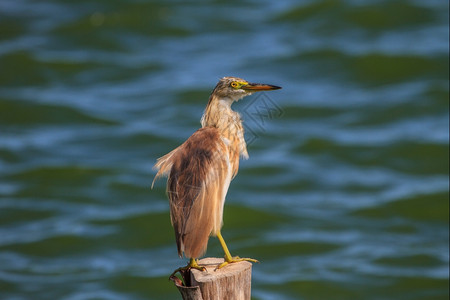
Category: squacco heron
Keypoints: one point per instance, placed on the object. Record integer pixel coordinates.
(201, 169)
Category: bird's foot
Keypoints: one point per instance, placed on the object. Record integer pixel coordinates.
(235, 259)
(193, 264)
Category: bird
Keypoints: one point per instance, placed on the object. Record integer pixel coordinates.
(200, 170)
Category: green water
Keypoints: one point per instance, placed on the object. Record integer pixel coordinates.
(345, 194)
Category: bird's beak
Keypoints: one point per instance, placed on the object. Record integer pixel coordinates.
(255, 87)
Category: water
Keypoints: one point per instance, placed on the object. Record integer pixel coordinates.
(345, 194)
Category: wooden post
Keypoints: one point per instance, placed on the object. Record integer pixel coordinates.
(232, 282)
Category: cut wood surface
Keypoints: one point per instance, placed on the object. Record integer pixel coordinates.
(232, 282)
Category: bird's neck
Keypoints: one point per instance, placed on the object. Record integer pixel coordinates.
(218, 114)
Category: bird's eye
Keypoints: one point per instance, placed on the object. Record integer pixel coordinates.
(234, 84)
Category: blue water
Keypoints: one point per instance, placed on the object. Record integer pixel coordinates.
(345, 194)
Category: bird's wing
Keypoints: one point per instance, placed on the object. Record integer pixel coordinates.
(164, 164)
(199, 175)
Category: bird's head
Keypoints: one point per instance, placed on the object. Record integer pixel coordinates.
(234, 88)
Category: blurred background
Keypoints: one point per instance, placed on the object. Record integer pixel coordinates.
(345, 194)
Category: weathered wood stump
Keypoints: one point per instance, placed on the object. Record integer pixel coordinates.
(232, 282)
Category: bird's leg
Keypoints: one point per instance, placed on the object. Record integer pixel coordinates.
(193, 264)
(228, 258)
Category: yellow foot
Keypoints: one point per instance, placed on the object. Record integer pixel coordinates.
(193, 264)
(234, 260)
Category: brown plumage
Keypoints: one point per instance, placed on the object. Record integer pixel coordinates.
(201, 169)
